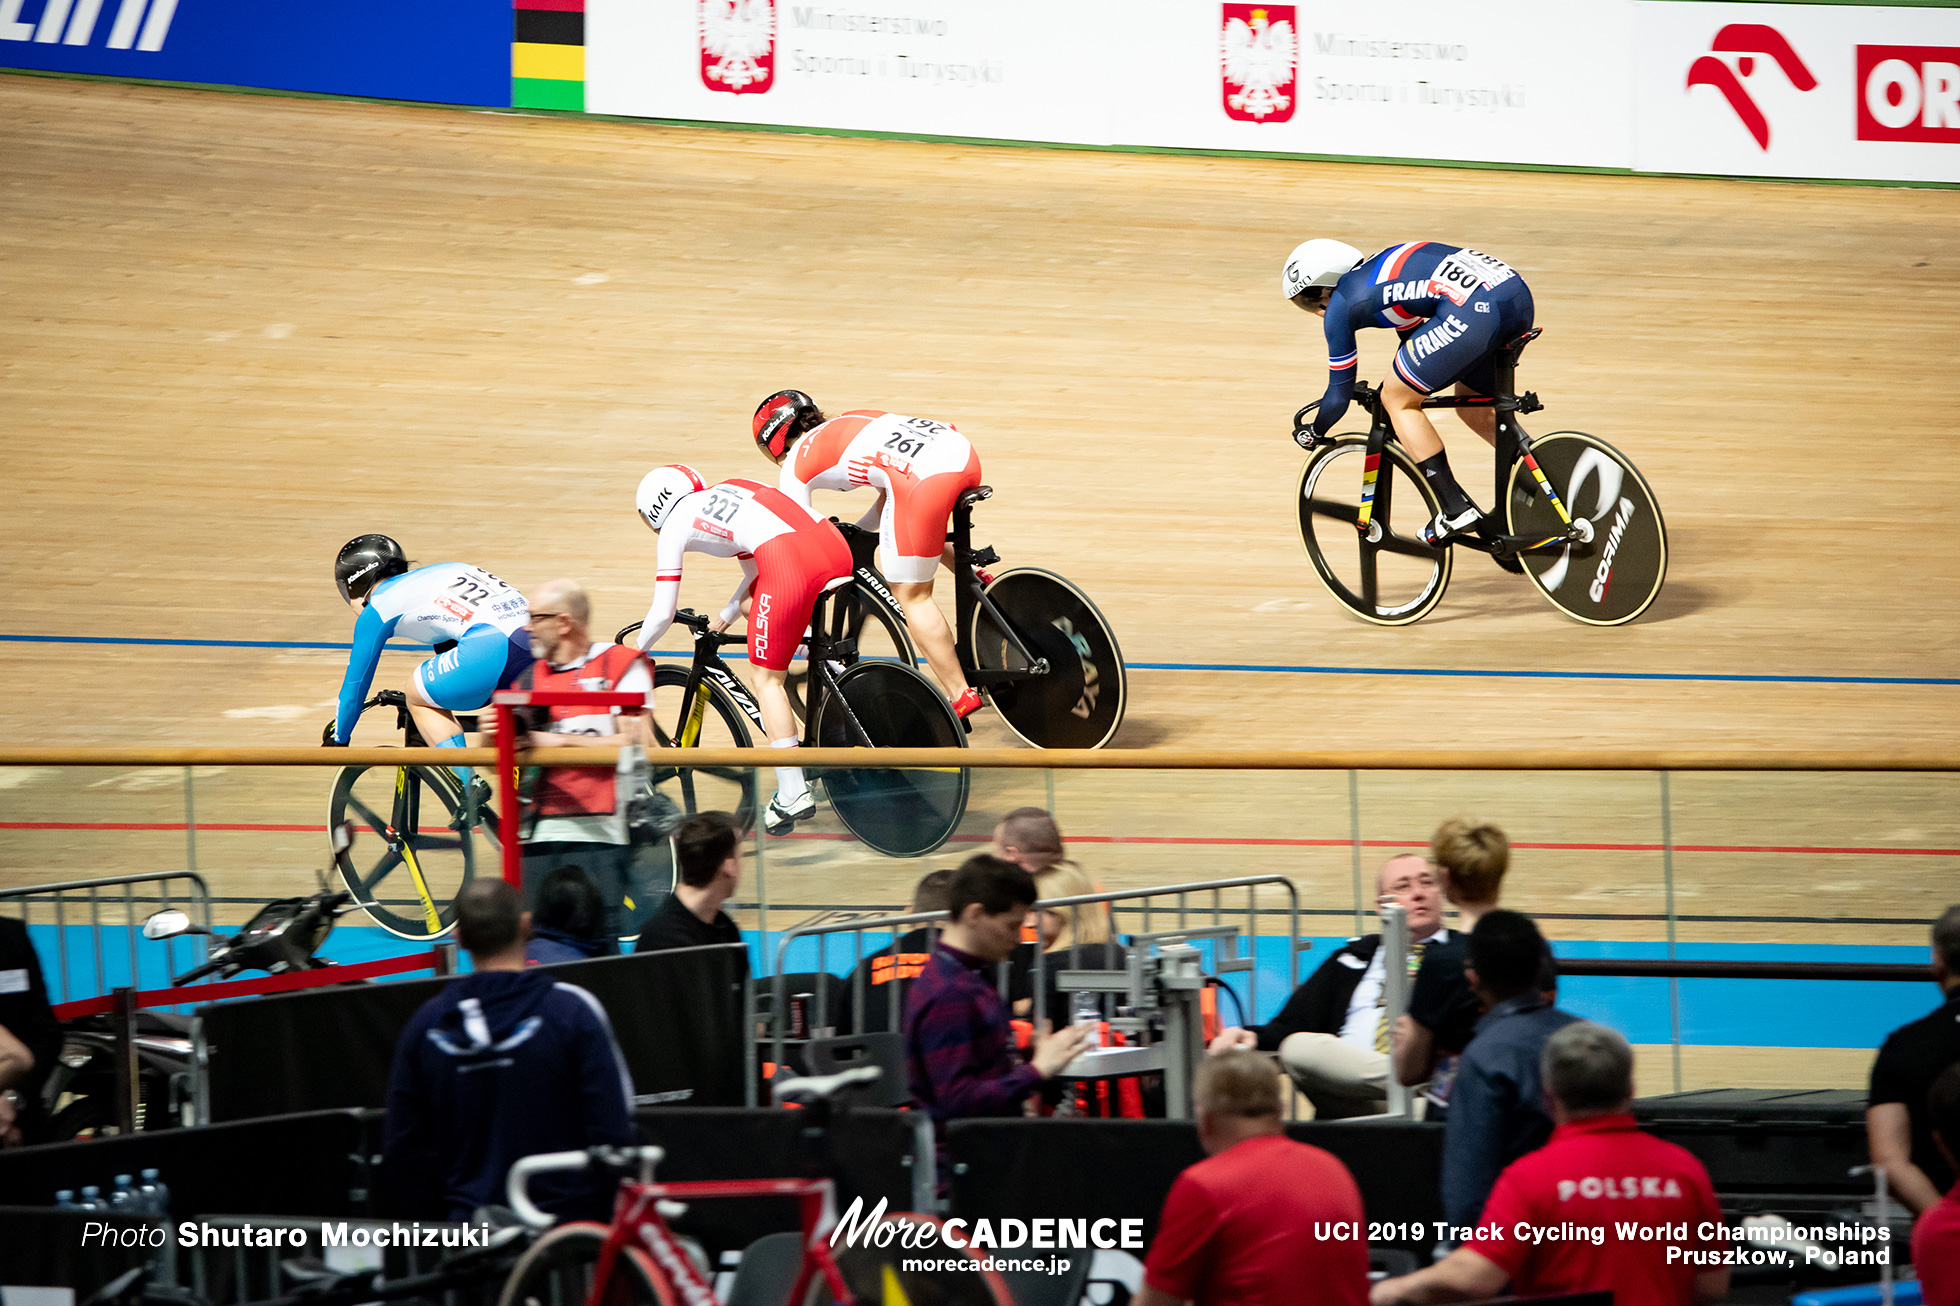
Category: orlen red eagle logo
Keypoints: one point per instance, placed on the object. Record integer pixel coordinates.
(738, 45)
(1259, 53)
(1748, 40)
(1908, 93)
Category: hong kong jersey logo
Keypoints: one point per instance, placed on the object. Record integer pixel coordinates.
(1259, 55)
(1747, 40)
(738, 45)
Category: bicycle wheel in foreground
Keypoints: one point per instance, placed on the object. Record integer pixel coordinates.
(716, 720)
(1080, 702)
(1616, 575)
(1387, 575)
(557, 1270)
(410, 849)
(901, 813)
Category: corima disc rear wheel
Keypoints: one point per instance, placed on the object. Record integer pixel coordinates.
(1079, 703)
(1387, 575)
(901, 813)
(1616, 575)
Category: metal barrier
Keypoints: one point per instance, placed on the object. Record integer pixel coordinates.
(1141, 982)
(85, 898)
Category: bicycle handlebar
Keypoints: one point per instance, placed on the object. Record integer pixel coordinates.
(548, 1162)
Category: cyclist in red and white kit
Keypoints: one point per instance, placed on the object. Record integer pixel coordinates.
(788, 555)
(919, 468)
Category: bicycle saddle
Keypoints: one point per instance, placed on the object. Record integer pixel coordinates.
(1516, 347)
(975, 495)
(816, 1088)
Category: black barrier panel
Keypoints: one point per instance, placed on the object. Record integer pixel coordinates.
(285, 1165)
(41, 1248)
(676, 1014)
(1122, 1169)
(1767, 1140)
(870, 1153)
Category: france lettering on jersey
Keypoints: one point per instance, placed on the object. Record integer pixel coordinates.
(443, 601)
(729, 520)
(1404, 287)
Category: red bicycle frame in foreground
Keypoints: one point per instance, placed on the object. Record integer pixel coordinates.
(639, 1223)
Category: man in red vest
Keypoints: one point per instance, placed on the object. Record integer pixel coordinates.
(576, 816)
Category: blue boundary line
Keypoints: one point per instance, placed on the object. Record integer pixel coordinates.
(1303, 669)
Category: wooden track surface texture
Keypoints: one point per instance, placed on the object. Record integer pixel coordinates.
(237, 330)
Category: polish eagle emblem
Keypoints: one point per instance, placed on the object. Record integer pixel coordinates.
(738, 45)
(1259, 54)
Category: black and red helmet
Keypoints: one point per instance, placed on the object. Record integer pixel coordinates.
(781, 419)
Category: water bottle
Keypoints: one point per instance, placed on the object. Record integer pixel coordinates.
(150, 1201)
(124, 1199)
(64, 1200)
(1088, 1014)
(160, 1195)
(92, 1199)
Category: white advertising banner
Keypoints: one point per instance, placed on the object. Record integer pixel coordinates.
(1506, 81)
(1543, 81)
(1013, 69)
(1797, 90)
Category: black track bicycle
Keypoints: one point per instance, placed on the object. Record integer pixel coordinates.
(1573, 514)
(406, 839)
(1027, 639)
(853, 702)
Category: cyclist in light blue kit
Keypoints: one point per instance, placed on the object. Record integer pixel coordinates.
(1454, 308)
(489, 621)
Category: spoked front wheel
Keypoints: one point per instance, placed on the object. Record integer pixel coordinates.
(899, 812)
(1613, 576)
(1079, 701)
(559, 1268)
(410, 848)
(866, 613)
(1386, 574)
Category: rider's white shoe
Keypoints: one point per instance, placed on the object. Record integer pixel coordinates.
(780, 819)
(1446, 526)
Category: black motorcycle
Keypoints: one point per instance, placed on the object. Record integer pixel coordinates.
(79, 1097)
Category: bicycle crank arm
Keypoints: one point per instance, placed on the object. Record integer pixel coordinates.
(1007, 677)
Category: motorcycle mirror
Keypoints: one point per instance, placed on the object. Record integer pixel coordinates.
(168, 925)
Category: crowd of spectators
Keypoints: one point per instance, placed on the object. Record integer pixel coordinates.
(1535, 1102)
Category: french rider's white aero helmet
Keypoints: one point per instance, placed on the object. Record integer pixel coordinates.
(662, 488)
(1317, 263)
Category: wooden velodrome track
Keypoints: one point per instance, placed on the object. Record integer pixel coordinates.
(240, 329)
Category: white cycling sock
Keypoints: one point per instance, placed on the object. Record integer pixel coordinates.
(790, 786)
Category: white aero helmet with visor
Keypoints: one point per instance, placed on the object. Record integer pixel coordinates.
(662, 488)
(1313, 268)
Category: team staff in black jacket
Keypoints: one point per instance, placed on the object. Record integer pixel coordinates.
(30, 1038)
(1332, 1034)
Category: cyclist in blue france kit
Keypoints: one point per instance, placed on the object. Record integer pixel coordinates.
(489, 621)
(1454, 309)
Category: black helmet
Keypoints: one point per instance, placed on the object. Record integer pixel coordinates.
(364, 562)
(781, 419)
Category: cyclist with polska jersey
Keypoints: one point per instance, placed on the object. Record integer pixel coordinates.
(488, 620)
(789, 555)
(919, 468)
(1455, 310)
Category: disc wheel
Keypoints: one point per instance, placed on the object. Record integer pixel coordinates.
(409, 848)
(1388, 575)
(901, 813)
(866, 612)
(1079, 702)
(716, 720)
(558, 1269)
(1613, 577)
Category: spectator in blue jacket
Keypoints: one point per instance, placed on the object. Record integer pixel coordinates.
(503, 1063)
(1497, 1108)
